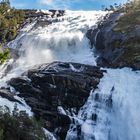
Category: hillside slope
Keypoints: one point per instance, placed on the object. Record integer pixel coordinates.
(118, 38)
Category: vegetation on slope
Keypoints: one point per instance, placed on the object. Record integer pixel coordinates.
(129, 23)
(19, 126)
(10, 21)
(4, 55)
(118, 42)
(131, 17)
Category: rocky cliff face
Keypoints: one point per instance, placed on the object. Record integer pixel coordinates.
(117, 41)
(38, 13)
(56, 91)
(42, 17)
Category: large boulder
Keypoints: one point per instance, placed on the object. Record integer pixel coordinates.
(56, 91)
(117, 41)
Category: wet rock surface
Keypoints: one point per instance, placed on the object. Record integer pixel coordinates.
(39, 13)
(6, 94)
(42, 17)
(55, 91)
(117, 47)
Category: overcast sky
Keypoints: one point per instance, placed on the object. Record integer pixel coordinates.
(64, 4)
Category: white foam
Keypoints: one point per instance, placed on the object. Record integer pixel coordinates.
(4, 102)
(63, 40)
(122, 121)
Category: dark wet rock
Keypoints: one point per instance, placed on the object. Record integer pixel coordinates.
(39, 13)
(14, 53)
(4, 93)
(34, 13)
(49, 88)
(117, 46)
(58, 13)
(42, 23)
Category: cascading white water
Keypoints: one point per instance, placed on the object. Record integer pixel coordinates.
(63, 40)
(112, 111)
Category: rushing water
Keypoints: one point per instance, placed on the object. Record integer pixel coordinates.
(112, 111)
(63, 40)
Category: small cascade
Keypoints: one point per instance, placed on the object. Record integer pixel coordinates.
(93, 118)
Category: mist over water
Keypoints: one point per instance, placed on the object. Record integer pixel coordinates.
(112, 111)
(63, 40)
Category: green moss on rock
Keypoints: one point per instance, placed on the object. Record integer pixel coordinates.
(4, 56)
(19, 126)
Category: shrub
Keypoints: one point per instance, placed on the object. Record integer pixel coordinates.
(19, 126)
(4, 56)
(10, 21)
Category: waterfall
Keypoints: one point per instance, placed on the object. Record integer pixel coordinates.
(112, 111)
(64, 40)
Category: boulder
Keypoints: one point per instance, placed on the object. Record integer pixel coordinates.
(55, 91)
